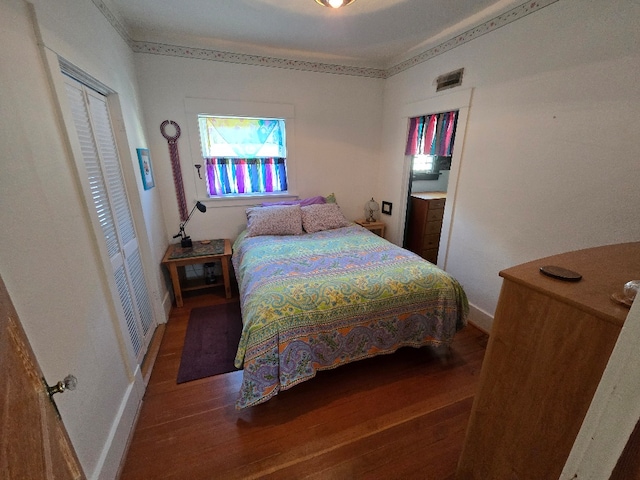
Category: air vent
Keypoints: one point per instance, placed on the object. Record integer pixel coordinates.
(449, 80)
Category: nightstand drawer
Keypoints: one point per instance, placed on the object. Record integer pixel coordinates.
(374, 227)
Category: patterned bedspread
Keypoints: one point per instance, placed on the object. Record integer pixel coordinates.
(316, 301)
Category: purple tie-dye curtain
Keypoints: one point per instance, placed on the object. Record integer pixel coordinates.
(432, 134)
(245, 175)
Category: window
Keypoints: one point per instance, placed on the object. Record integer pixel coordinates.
(243, 155)
(424, 164)
(430, 143)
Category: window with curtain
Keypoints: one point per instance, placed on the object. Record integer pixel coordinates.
(243, 155)
(430, 143)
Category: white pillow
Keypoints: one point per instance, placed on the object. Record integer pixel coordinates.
(322, 217)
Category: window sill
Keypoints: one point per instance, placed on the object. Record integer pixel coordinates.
(247, 200)
(425, 176)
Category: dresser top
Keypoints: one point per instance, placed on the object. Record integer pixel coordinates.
(604, 272)
(429, 195)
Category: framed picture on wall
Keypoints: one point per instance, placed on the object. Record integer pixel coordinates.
(145, 168)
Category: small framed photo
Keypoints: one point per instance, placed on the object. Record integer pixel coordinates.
(145, 168)
(386, 208)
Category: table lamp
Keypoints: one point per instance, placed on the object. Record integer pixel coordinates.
(370, 210)
(186, 242)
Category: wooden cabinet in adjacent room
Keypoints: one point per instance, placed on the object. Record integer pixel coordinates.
(425, 224)
(550, 343)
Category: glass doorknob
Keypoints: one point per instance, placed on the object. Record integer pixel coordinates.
(69, 383)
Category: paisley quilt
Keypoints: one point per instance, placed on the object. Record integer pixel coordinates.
(316, 301)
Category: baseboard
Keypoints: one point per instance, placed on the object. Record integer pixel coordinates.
(480, 319)
(152, 353)
(117, 445)
(113, 454)
(167, 303)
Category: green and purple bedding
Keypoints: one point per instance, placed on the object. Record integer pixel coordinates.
(316, 301)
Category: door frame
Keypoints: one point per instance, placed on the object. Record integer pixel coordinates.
(54, 64)
(461, 101)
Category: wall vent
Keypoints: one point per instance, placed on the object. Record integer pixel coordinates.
(449, 80)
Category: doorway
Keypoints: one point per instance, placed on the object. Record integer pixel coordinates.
(430, 145)
(445, 184)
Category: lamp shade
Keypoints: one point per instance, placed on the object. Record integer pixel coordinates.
(371, 208)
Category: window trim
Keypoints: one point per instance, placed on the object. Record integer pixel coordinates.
(220, 107)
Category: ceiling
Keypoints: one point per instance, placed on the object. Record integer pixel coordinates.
(371, 33)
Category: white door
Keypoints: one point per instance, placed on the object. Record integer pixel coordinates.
(109, 198)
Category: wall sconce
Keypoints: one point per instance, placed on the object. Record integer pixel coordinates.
(186, 242)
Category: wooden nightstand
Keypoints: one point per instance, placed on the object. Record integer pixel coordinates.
(375, 227)
(210, 251)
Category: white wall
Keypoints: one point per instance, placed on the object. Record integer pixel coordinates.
(49, 257)
(334, 145)
(550, 164)
(439, 185)
(550, 156)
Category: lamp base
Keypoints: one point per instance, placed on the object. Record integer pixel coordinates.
(186, 242)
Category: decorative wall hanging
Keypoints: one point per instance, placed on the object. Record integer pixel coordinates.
(145, 168)
(172, 140)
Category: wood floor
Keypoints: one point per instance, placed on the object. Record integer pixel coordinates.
(395, 416)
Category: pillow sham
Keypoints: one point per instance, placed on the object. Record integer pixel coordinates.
(275, 220)
(303, 203)
(322, 217)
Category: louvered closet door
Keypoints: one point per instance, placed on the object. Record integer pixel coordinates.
(109, 198)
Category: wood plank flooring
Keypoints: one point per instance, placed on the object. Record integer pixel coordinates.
(395, 416)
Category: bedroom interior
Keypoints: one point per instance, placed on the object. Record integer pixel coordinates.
(544, 163)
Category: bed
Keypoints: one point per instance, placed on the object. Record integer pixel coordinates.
(314, 298)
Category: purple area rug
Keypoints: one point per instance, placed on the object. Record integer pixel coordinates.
(211, 341)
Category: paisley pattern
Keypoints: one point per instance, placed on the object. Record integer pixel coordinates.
(316, 301)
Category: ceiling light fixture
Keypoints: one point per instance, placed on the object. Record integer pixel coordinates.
(335, 3)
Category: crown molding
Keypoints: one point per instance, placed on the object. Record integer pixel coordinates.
(155, 48)
(258, 60)
(113, 20)
(506, 18)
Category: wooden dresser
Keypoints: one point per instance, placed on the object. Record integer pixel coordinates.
(425, 224)
(548, 348)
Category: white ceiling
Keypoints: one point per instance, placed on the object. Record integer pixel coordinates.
(371, 33)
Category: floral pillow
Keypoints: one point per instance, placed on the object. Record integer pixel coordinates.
(322, 217)
(276, 220)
